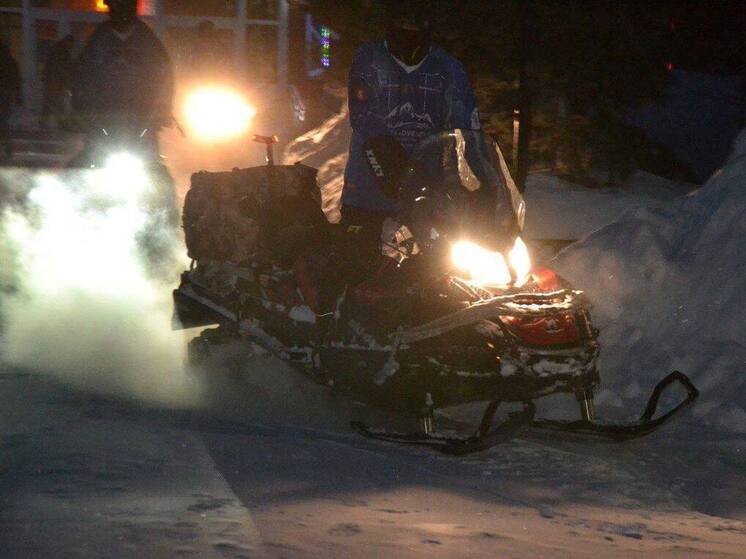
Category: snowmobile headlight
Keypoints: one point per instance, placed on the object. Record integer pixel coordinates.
(520, 261)
(217, 113)
(489, 268)
(124, 174)
(124, 164)
(485, 267)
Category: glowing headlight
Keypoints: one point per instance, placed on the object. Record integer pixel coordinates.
(215, 114)
(124, 164)
(125, 175)
(485, 267)
(489, 268)
(520, 261)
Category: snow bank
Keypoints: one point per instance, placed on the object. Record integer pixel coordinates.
(325, 148)
(668, 285)
(550, 200)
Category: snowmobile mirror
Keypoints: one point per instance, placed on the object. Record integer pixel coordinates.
(387, 161)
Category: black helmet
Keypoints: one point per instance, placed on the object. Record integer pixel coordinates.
(122, 12)
(115, 4)
(408, 29)
(408, 13)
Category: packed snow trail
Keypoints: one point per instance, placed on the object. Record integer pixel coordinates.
(315, 489)
(317, 497)
(318, 490)
(86, 476)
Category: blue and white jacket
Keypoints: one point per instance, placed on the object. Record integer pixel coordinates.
(408, 103)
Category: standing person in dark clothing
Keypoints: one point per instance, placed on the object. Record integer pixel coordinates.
(57, 74)
(123, 86)
(123, 76)
(10, 93)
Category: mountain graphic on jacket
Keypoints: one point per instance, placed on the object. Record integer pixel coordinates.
(405, 115)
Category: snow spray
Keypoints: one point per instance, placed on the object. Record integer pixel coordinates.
(77, 300)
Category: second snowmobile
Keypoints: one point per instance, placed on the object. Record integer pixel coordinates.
(450, 312)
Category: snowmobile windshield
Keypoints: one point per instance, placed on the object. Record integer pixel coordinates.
(458, 179)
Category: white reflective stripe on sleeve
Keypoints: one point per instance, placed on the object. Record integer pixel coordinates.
(475, 122)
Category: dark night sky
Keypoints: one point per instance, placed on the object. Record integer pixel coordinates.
(709, 36)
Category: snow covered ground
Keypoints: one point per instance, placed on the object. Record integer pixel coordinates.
(246, 459)
(83, 476)
(88, 476)
(557, 209)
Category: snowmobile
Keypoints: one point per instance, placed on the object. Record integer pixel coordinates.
(450, 312)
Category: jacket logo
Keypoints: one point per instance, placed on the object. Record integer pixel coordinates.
(552, 326)
(374, 164)
(405, 116)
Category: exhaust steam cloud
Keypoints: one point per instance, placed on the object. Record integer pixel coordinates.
(78, 299)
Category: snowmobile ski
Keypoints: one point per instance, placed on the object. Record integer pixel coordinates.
(624, 432)
(484, 438)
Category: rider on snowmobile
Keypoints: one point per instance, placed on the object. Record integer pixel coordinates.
(122, 95)
(401, 87)
(123, 55)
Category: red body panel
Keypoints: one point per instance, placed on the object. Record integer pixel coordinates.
(545, 331)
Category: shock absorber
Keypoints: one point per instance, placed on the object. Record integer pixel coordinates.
(426, 415)
(585, 400)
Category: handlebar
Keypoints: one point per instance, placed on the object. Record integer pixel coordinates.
(269, 142)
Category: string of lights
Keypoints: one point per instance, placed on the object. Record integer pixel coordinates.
(326, 47)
